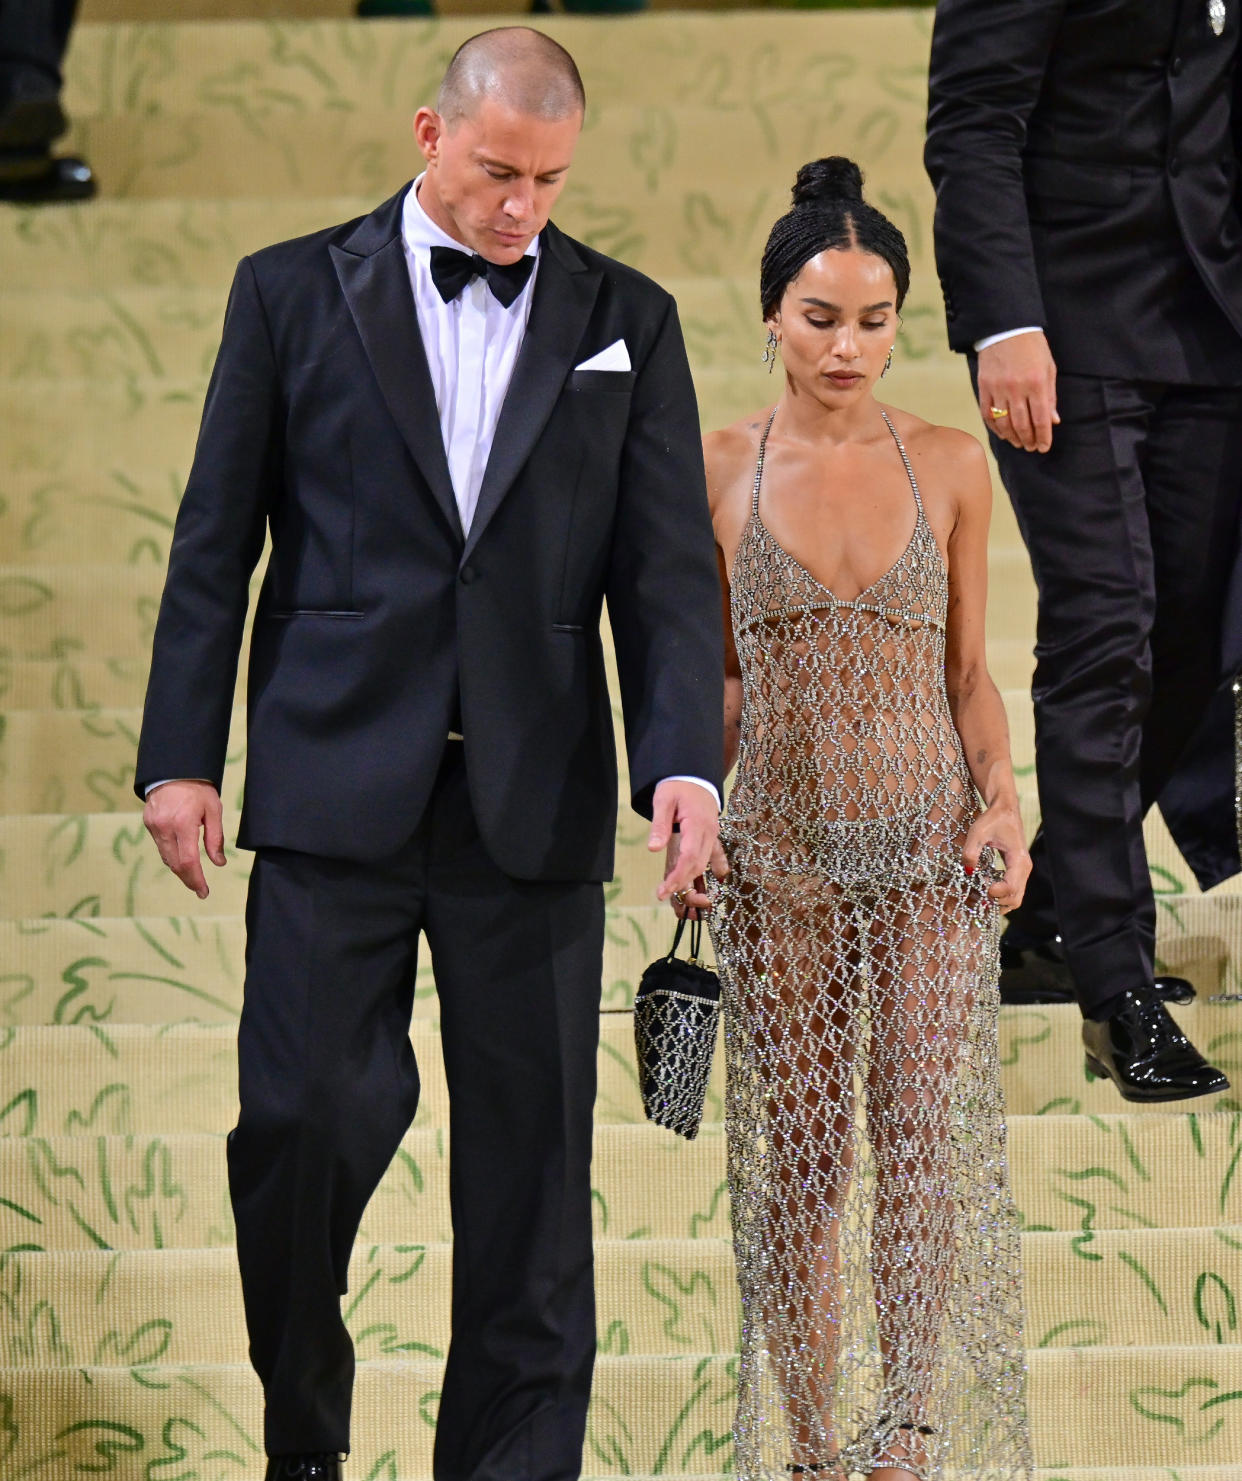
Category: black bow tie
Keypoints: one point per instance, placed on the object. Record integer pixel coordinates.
(452, 270)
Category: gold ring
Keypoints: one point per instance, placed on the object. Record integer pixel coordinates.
(679, 896)
(1000, 411)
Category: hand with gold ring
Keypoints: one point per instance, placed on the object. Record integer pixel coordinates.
(1017, 383)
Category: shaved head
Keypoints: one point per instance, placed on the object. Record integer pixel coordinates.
(521, 69)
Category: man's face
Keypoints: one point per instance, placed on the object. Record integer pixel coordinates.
(492, 179)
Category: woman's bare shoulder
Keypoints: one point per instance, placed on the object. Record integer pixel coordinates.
(944, 457)
(729, 454)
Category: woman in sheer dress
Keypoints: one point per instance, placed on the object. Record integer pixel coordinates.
(876, 1242)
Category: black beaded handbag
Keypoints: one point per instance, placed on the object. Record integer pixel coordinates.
(676, 1011)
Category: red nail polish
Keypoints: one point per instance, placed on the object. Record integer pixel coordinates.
(970, 868)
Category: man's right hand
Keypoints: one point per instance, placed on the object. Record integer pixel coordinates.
(174, 815)
(1019, 376)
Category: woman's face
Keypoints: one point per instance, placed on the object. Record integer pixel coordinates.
(836, 324)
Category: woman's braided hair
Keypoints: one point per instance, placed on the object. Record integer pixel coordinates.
(828, 213)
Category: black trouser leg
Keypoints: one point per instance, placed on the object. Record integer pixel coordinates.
(1193, 477)
(34, 34)
(518, 969)
(1132, 466)
(328, 1087)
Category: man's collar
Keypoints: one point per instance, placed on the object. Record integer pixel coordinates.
(421, 232)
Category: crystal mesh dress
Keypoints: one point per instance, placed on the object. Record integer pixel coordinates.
(876, 1240)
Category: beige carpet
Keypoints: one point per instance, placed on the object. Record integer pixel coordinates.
(122, 1350)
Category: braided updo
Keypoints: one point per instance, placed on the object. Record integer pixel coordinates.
(828, 213)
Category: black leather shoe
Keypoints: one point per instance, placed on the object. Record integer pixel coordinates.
(1146, 1055)
(304, 1468)
(1036, 972)
(43, 181)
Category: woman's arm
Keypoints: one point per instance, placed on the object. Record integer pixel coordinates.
(720, 450)
(974, 700)
(732, 675)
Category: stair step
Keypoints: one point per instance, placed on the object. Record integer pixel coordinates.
(171, 334)
(685, 1406)
(369, 152)
(1085, 1173)
(69, 761)
(109, 611)
(74, 682)
(171, 970)
(90, 864)
(87, 864)
(93, 1074)
(730, 61)
(1138, 1288)
(195, 243)
(114, 449)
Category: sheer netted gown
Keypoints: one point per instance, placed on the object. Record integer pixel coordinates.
(876, 1241)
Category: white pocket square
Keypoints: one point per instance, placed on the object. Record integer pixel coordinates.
(615, 357)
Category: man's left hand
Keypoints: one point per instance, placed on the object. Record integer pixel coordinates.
(693, 809)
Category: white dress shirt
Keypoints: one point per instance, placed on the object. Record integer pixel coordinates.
(472, 345)
(995, 339)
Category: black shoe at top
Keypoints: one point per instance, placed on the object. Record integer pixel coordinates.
(27, 180)
(1145, 1054)
(304, 1468)
(1036, 972)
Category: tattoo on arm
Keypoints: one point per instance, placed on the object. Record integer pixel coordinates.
(980, 757)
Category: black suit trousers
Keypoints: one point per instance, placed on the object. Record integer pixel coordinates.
(329, 1086)
(34, 35)
(1131, 524)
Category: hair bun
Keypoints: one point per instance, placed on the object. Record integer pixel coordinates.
(824, 180)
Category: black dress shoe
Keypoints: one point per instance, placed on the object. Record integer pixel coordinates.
(41, 181)
(1036, 972)
(304, 1468)
(1146, 1055)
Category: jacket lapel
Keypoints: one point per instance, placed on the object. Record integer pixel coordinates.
(565, 293)
(374, 278)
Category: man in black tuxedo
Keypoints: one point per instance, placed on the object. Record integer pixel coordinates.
(464, 432)
(1090, 252)
(34, 35)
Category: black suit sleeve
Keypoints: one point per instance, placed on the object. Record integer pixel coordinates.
(663, 589)
(216, 544)
(987, 67)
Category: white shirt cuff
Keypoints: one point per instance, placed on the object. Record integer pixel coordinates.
(698, 782)
(164, 781)
(995, 339)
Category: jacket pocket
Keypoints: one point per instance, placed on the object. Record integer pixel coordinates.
(1073, 180)
(601, 380)
(282, 614)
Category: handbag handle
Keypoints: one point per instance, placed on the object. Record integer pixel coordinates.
(696, 940)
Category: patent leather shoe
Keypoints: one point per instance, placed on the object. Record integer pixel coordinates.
(39, 180)
(1144, 1053)
(322, 1467)
(1033, 972)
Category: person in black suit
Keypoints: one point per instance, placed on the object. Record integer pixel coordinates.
(1090, 252)
(464, 432)
(34, 36)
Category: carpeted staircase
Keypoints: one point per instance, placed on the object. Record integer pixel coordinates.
(122, 1347)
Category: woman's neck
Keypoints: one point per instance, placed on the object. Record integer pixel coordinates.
(804, 418)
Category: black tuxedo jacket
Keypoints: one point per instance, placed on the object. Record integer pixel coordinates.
(1086, 180)
(376, 614)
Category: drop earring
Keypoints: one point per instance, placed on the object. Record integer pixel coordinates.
(769, 353)
(888, 365)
